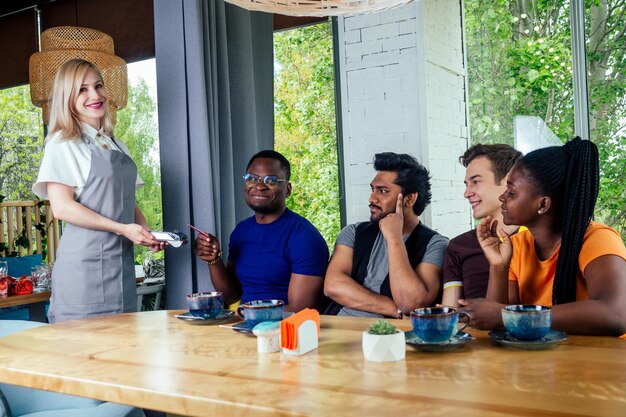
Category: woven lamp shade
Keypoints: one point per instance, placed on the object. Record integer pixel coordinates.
(62, 43)
(318, 7)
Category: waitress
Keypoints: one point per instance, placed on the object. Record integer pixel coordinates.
(90, 180)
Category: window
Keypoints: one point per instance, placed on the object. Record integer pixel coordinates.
(137, 126)
(519, 64)
(305, 125)
(606, 69)
(21, 144)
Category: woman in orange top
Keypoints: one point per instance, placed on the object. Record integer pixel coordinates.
(564, 259)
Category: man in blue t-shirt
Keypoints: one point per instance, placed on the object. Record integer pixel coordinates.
(276, 253)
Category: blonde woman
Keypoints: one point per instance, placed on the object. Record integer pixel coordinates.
(90, 180)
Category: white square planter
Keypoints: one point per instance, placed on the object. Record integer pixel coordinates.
(384, 348)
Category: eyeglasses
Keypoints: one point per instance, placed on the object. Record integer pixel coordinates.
(268, 180)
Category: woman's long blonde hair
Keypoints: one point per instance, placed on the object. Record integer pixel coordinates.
(63, 115)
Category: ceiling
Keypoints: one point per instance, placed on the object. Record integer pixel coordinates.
(280, 22)
(12, 6)
(132, 27)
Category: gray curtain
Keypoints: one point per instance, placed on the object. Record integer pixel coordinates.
(214, 66)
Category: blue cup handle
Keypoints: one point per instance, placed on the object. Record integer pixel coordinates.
(240, 312)
(466, 315)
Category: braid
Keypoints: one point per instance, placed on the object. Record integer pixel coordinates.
(570, 175)
(581, 192)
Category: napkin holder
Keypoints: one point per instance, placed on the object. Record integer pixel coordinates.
(307, 339)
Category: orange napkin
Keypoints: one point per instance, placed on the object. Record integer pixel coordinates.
(289, 327)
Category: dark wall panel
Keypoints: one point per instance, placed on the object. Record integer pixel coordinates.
(129, 22)
(18, 41)
(58, 13)
(282, 22)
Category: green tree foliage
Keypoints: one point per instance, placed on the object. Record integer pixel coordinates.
(519, 63)
(137, 127)
(21, 143)
(606, 52)
(304, 105)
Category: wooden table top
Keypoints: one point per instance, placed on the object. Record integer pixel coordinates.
(17, 300)
(155, 361)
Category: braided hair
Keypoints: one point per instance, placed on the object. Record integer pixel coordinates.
(570, 175)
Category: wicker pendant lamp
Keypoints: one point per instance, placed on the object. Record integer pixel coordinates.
(318, 7)
(62, 43)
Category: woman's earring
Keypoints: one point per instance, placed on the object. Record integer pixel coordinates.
(539, 212)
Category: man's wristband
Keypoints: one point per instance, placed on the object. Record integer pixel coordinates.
(217, 259)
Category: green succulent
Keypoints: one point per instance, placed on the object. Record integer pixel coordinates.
(382, 327)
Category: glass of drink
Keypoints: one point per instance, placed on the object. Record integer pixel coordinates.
(41, 278)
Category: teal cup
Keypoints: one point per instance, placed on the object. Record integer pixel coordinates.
(437, 324)
(526, 321)
(258, 311)
(205, 304)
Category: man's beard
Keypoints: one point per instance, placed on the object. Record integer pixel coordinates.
(377, 217)
(264, 209)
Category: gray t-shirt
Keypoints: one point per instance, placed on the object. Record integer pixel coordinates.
(378, 265)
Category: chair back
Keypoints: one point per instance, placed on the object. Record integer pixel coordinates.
(8, 327)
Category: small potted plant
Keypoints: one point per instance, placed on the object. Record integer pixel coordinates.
(382, 342)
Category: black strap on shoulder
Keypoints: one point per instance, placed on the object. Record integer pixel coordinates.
(364, 238)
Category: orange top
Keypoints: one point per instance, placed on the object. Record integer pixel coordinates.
(535, 277)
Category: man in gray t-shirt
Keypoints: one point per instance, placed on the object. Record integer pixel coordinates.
(392, 264)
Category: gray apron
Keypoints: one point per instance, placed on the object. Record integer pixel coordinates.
(94, 272)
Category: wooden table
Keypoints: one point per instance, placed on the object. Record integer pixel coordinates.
(36, 304)
(155, 361)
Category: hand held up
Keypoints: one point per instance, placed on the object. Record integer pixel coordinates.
(497, 248)
(391, 225)
(207, 247)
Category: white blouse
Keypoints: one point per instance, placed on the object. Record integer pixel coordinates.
(68, 161)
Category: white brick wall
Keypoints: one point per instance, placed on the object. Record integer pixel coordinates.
(403, 90)
(446, 113)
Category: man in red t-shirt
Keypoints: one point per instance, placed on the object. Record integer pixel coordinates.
(465, 268)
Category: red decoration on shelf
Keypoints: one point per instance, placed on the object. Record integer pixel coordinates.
(24, 286)
(7, 286)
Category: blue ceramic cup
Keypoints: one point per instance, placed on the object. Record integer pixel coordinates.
(527, 322)
(437, 324)
(258, 311)
(205, 304)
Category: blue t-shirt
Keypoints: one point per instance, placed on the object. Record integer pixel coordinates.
(265, 255)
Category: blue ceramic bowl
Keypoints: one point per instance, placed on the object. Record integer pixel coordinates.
(258, 311)
(436, 324)
(526, 321)
(205, 304)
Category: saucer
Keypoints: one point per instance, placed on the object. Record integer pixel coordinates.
(241, 327)
(457, 341)
(244, 326)
(220, 318)
(550, 340)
